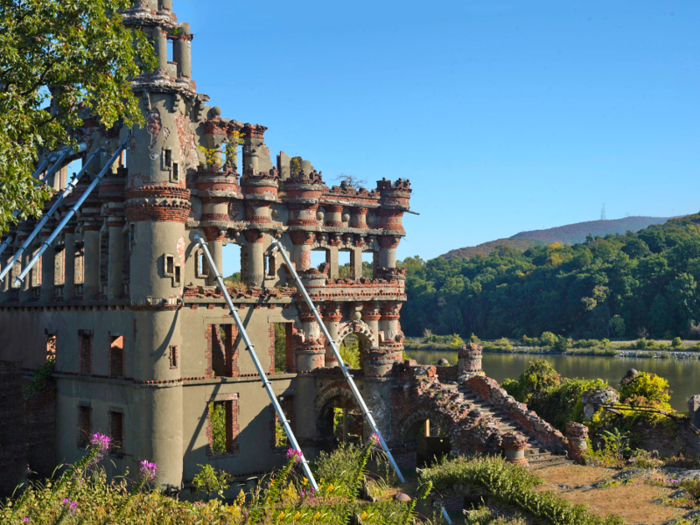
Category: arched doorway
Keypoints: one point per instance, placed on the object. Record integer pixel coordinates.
(338, 417)
(426, 433)
(354, 341)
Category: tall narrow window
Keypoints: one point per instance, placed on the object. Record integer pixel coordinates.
(173, 357)
(116, 432)
(84, 424)
(50, 346)
(223, 426)
(85, 352)
(222, 355)
(116, 356)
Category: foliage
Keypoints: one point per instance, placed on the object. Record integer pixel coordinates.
(486, 516)
(621, 285)
(83, 495)
(280, 348)
(75, 57)
(646, 387)
(211, 481)
(511, 485)
(561, 404)
(350, 351)
(217, 418)
(539, 375)
(41, 377)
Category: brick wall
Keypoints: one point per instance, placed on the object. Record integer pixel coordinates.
(532, 425)
(13, 448)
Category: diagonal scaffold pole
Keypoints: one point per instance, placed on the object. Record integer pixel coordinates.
(58, 156)
(363, 406)
(56, 205)
(251, 350)
(95, 182)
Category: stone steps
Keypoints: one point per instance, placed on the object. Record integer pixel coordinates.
(537, 457)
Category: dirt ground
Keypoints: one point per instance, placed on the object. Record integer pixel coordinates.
(634, 501)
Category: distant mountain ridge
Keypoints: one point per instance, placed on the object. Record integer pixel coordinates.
(568, 234)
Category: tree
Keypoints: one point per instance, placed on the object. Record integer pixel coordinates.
(60, 62)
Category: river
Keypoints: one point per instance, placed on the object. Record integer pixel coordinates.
(683, 375)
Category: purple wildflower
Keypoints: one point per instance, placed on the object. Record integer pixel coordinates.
(29, 470)
(296, 454)
(101, 442)
(25, 520)
(147, 470)
(72, 505)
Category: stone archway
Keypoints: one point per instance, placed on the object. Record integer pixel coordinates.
(362, 332)
(338, 417)
(424, 443)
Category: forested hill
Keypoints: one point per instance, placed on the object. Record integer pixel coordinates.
(568, 234)
(626, 285)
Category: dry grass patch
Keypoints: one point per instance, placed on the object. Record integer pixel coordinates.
(635, 502)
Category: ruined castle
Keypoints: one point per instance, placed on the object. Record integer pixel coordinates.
(146, 349)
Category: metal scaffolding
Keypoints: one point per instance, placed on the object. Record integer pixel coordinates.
(366, 412)
(47, 243)
(56, 205)
(258, 366)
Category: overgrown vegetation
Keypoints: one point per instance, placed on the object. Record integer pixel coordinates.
(634, 285)
(82, 494)
(512, 486)
(41, 378)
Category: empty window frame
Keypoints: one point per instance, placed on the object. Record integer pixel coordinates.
(116, 356)
(173, 357)
(50, 346)
(84, 426)
(85, 352)
(116, 432)
(221, 350)
(223, 426)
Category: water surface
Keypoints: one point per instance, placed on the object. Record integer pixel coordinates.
(683, 375)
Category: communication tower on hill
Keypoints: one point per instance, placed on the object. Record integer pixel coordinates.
(602, 213)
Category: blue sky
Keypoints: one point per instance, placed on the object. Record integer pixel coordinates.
(505, 115)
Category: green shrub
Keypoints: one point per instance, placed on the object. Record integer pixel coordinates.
(41, 378)
(512, 485)
(539, 375)
(676, 343)
(548, 339)
(647, 386)
(561, 404)
(562, 344)
(211, 481)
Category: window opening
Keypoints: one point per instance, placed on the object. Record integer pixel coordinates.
(167, 158)
(116, 432)
(271, 266)
(84, 424)
(201, 266)
(222, 350)
(223, 426)
(104, 257)
(344, 265)
(282, 338)
(50, 346)
(368, 265)
(280, 440)
(232, 264)
(169, 269)
(173, 357)
(351, 351)
(177, 279)
(176, 172)
(85, 352)
(116, 356)
(318, 257)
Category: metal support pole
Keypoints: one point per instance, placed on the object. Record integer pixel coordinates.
(37, 172)
(344, 368)
(256, 361)
(71, 186)
(71, 213)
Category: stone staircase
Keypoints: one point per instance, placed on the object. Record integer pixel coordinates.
(537, 457)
